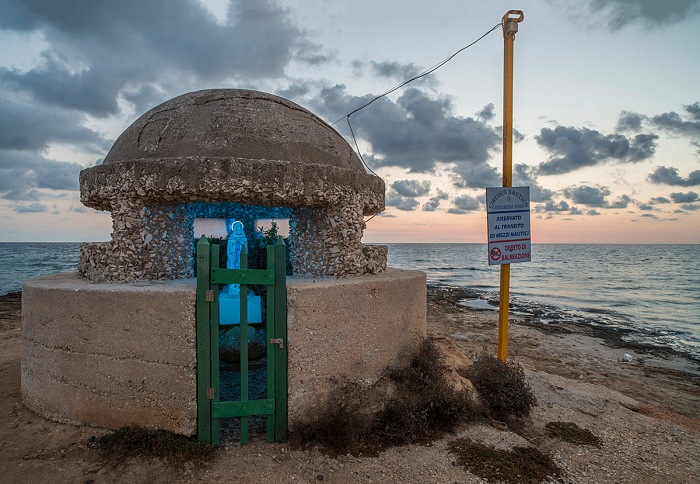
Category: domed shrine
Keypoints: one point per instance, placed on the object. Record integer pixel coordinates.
(119, 342)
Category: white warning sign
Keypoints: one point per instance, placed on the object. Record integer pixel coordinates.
(508, 212)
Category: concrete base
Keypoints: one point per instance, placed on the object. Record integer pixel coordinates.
(351, 328)
(110, 354)
(120, 354)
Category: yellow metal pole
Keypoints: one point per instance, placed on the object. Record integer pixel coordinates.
(510, 27)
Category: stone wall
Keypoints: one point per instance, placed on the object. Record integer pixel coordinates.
(113, 355)
(154, 204)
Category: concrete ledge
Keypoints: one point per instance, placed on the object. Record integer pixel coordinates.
(112, 355)
(350, 328)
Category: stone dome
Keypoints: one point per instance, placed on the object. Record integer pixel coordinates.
(233, 123)
(229, 153)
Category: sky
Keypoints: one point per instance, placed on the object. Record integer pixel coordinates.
(606, 104)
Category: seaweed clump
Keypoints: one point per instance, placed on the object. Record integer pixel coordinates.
(572, 433)
(519, 465)
(502, 387)
(134, 441)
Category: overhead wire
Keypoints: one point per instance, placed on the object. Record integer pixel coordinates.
(423, 74)
(399, 86)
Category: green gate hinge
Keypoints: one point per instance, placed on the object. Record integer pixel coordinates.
(210, 394)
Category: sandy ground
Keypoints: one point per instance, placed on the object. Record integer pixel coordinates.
(644, 411)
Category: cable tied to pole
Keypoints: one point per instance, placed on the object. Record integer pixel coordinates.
(399, 86)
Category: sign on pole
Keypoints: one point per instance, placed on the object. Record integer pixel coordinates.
(508, 211)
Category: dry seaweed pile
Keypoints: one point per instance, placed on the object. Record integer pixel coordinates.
(423, 405)
(130, 442)
(521, 465)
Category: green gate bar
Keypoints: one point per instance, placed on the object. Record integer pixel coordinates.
(214, 356)
(210, 409)
(203, 341)
(280, 321)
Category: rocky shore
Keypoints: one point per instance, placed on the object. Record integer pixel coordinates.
(643, 410)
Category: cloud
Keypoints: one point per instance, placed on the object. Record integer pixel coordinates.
(621, 202)
(668, 175)
(434, 202)
(31, 208)
(395, 70)
(23, 173)
(144, 97)
(645, 206)
(406, 204)
(517, 135)
(648, 13)
(561, 207)
(33, 127)
(403, 204)
(677, 124)
(414, 132)
(630, 121)
(411, 188)
(572, 148)
(524, 175)
(403, 193)
(690, 206)
(465, 204)
(684, 124)
(659, 200)
(587, 195)
(487, 113)
(552, 206)
(476, 176)
(680, 197)
(294, 91)
(483, 175)
(595, 197)
(96, 53)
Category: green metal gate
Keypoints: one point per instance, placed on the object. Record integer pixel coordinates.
(210, 279)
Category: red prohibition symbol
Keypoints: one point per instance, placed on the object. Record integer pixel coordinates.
(495, 253)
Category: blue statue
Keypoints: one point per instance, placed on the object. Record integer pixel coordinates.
(236, 241)
(230, 296)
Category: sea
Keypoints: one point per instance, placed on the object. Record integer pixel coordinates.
(651, 292)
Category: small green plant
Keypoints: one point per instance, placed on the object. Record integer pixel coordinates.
(502, 387)
(270, 235)
(134, 441)
(520, 465)
(257, 247)
(572, 433)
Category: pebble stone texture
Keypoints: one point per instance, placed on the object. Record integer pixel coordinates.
(229, 153)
